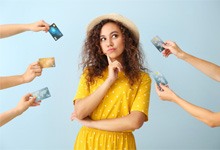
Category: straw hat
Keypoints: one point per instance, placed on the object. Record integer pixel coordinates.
(115, 17)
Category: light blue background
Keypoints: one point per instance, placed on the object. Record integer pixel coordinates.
(193, 24)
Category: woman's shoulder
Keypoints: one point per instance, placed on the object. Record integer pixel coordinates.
(145, 74)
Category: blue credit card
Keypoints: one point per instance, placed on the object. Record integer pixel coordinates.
(55, 32)
(158, 43)
(159, 78)
(41, 94)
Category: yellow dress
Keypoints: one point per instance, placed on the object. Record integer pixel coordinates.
(119, 101)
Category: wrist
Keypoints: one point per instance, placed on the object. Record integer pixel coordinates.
(17, 111)
(27, 27)
(175, 99)
(23, 79)
(91, 124)
(110, 81)
(182, 55)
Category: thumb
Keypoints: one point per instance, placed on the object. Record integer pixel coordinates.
(166, 46)
(156, 87)
(31, 100)
(163, 86)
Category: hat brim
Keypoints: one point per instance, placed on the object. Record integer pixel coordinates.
(115, 17)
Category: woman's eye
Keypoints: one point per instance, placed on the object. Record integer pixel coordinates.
(114, 36)
(102, 39)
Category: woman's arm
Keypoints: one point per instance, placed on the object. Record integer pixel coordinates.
(13, 29)
(210, 69)
(84, 107)
(210, 118)
(25, 102)
(130, 122)
(32, 71)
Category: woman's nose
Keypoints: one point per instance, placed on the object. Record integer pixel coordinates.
(109, 42)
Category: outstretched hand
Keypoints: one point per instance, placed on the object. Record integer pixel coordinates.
(172, 48)
(26, 101)
(39, 26)
(32, 71)
(166, 93)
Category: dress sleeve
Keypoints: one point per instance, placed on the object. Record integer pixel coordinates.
(83, 89)
(142, 99)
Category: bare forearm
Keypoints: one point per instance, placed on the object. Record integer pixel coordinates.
(208, 68)
(117, 125)
(199, 113)
(12, 29)
(8, 116)
(130, 122)
(86, 106)
(6, 82)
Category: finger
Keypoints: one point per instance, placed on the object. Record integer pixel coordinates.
(119, 67)
(168, 42)
(37, 69)
(109, 60)
(34, 63)
(33, 105)
(28, 95)
(166, 46)
(169, 54)
(38, 74)
(42, 28)
(31, 100)
(165, 52)
(163, 86)
(157, 88)
(36, 103)
(46, 24)
(72, 117)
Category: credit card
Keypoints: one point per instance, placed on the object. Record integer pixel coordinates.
(55, 32)
(158, 43)
(47, 62)
(41, 94)
(159, 78)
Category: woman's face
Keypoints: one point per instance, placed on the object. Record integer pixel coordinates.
(111, 41)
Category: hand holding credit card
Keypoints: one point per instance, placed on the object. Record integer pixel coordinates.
(55, 32)
(41, 94)
(158, 43)
(159, 78)
(47, 62)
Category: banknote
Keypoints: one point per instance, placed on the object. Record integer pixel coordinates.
(158, 43)
(159, 78)
(47, 62)
(41, 94)
(55, 32)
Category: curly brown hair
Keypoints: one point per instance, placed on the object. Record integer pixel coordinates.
(95, 62)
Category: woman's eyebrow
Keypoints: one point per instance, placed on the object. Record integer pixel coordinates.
(110, 33)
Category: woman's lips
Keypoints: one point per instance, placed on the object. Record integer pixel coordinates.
(111, 50)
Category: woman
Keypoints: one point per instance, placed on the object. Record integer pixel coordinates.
(113, 95)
